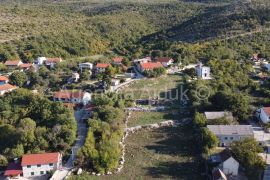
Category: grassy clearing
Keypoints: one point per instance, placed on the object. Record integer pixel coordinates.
(142, 118)
(153, 88)
(166, 153)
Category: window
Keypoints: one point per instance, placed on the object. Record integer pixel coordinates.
(41, 172)
(231, 138)
(38, 165)
(32, 173)
(47, 172)
(28, 166)
(51, 164)
(226, 138)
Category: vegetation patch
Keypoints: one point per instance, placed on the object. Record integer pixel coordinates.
(143, 118)
(165, 153)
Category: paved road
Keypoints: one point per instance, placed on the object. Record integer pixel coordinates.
(82, 132)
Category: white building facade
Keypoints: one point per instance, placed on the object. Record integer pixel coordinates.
(40, 164)
(264, 114)
(86, 66)
(230, 133)
(230, 167)
(203, 72)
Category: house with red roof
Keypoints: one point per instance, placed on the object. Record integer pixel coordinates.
(14, 170)
(25, 66)
(149, 66)
(101, 67)
(3, 80)
(5, 88)
(13, 63)
(75, 97)
(51, 62)
(117, 60)
(33, 165)
(264, 114)
(165, 61)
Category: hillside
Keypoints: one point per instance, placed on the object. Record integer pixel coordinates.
(81, 28)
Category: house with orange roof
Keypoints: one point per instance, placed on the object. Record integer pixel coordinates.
(165, 61)
(13, 63)
(149, 66)
(3, 80)
(117, 60)
(26, 66)
(101, 67)
(264, 114)
(75, 97)
(5, 88)
(51, 62)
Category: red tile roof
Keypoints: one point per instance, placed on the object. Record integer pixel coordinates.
(12, 63)
(266, 110)
(102, 65)
(3, 78)
(117, 59)
(34, 159)
(54, 60)
(151, 65)
(164, 59)
(26, 65)
(6, 87)
(69, 94)
(13, 169)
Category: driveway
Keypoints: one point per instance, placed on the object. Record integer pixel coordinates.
(82, 132)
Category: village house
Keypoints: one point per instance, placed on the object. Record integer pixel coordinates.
(143, 60)
(101, 67)
(225, 162)
(5, 88)
(40, 61)
(117, 60)
(75, 77)
(51, 62)
(264, 114)
(165, 61)
(149, 66)
(26, 66)
(3, 80)
(217, 174)
(230, 133)
(14, 170)
(218, 115)
(86, 66)
(115, 82)
(203, 72)
(33, 165)
(13, 64)
(76, 97)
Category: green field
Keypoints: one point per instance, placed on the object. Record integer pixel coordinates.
(166, 153)
(152, 88)
(142, 118)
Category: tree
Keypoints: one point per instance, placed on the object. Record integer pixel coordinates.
(85, 75)
(209, 140)
(200, 120)
(246, 152)
(18, 78)
(3, 161)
